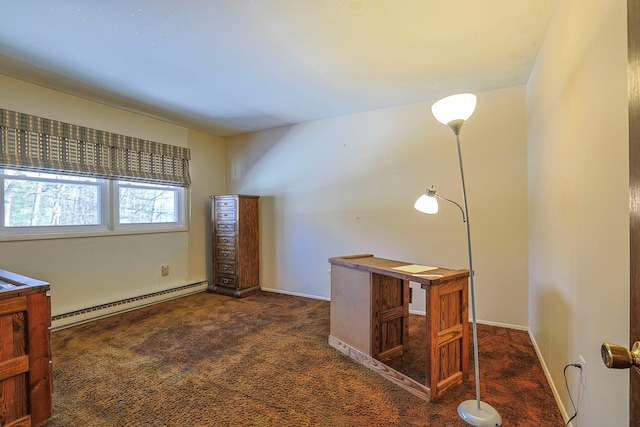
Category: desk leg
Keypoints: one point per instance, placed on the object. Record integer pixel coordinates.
(447, 335)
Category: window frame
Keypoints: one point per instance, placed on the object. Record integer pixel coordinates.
(180, 207)
(109, 207)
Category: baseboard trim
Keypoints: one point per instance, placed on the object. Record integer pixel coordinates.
(502, 325)
(483, 322)
(381, 369)
(547, 374)
(295, 294)
(66, 320)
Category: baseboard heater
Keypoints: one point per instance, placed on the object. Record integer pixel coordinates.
(61, 321)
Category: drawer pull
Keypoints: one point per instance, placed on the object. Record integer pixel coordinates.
(225, 253)
(225, 281)
(226, 267)
(224, 240)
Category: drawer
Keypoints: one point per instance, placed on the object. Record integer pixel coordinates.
(226, 239)
(226, 254)
(225, 203)
(228, 281)
(227, 267)
(225, 227)
(225, 215)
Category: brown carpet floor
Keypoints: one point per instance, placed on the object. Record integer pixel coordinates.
(211, 360)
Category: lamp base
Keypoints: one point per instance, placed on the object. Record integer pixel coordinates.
(486, 416)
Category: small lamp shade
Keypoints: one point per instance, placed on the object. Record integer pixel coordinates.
(427, 204)
(454, 107)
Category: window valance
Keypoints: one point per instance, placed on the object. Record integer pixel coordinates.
(35, 143)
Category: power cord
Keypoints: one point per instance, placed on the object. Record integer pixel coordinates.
(566, 383)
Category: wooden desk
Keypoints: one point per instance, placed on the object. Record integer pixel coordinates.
(370, 313)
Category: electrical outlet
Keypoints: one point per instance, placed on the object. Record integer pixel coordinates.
(583, 372)
(165, 270)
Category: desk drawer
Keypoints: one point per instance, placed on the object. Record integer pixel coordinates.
(227, 281)
(225, 215)
(226, 239)
(225, 203)
(225, 227)
(227, 267)
(228, 254)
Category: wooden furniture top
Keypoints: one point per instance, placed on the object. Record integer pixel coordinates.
(368, 262)
(234, 195)
(13, 285)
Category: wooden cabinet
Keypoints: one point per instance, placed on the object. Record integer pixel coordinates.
(25, 351)
(235, 245)
(447, 332)
(390, 317)
(369, 310)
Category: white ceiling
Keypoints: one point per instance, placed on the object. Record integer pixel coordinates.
(234, 66)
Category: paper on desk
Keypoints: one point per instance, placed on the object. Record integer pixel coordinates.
(414, 268)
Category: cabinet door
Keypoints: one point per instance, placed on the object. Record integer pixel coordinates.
(390, 320)
(447, 335)
(13, 355)
(25, 380)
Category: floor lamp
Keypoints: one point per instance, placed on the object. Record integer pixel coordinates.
(453, 111)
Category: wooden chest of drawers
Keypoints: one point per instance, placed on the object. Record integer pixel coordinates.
(235, 245)
(25, 351)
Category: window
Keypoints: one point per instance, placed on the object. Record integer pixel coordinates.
(140, 203)
(45, 203)
(37, 202)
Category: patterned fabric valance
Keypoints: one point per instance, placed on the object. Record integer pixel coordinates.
(34, 143)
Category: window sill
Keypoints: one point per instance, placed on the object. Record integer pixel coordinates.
(80, 235)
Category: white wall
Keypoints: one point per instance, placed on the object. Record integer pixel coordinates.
(578, 206)
(347, 186)
(85, 272)
(207, 171)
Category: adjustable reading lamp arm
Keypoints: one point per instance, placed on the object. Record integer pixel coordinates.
(464, 218)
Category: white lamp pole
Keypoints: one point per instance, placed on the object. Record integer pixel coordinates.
(453, 111)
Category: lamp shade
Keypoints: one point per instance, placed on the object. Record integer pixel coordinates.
(427, 204)
(454, 107)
